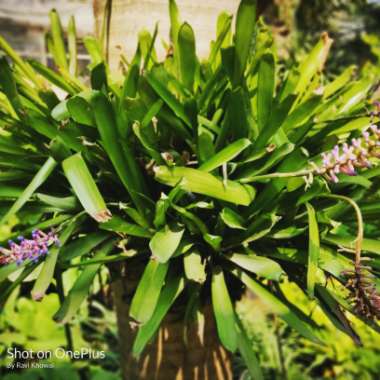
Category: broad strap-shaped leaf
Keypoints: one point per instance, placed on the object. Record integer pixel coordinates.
(332, 309)
(72, 46)
(121, 156)
(160, 88)
(36, 182)
(232, 219)
(187, 55)
(223, 311)
(54, 77)
(262, 266)
(24, 66)
(197, 181)
(246, 351)
(118, 224)
(312, 266)
(8, 86)
(148, 291)
(85, 188)
(59, 51)
(369, 245)
(164, 243)
(223, 38)
(48, 266)
(175, 24)
(265, 90)
(81, 287)
(302, 113)
(251, 172)
(80, 111)
(339, 82)
(82, 245)
(313, 63)
(225, 155)
(170, 292)
(235, 122)
(194, 266)
(244, 33)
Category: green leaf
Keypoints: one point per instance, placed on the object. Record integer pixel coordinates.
(235, 123)
(36, 182)
(175, 24)
(59, 51)
(246, 351)
(147, 143)
(22, 65)
(80, 111)
(82, 245)
(170, 292)
(312, 266)
(48, 267)
(148, 291)
(252, 172)
(85, 188)
(72, 46)
(81, 287)
(302, 113)
(368, 245)
(99, 77)
(224, 34)
(262, 266)
(225, 155)
(164, 243)
(354, 95)
(224, 311)
(187, 55)
(244, 33)
(339, 82)
(118, 224)
(64, 203)
(121, 157)
(265, 90)
(160, 88)
(278, 307)
(53, 77)
(196, 181)
(232, 219)
(194, 266)
(8, 85)
(93, 48)
(332, 309)
(313, 63)
(146, 42)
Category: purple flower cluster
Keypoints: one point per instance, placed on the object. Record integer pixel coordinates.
(28, 249)
(347, 157)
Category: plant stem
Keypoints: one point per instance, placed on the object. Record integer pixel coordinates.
(61, 295)
(300, 173)
(359, 218)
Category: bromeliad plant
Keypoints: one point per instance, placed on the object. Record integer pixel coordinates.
(209, 173)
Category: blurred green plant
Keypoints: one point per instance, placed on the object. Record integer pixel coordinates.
(207, 173)
(285, 354)
(28, 325)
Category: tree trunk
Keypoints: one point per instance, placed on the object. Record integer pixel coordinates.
(173, 354)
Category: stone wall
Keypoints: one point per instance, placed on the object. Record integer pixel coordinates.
(130, 16)
(23, 23)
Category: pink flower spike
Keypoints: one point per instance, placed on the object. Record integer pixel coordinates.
(333, 176)
(365, 135)
(356, 142)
